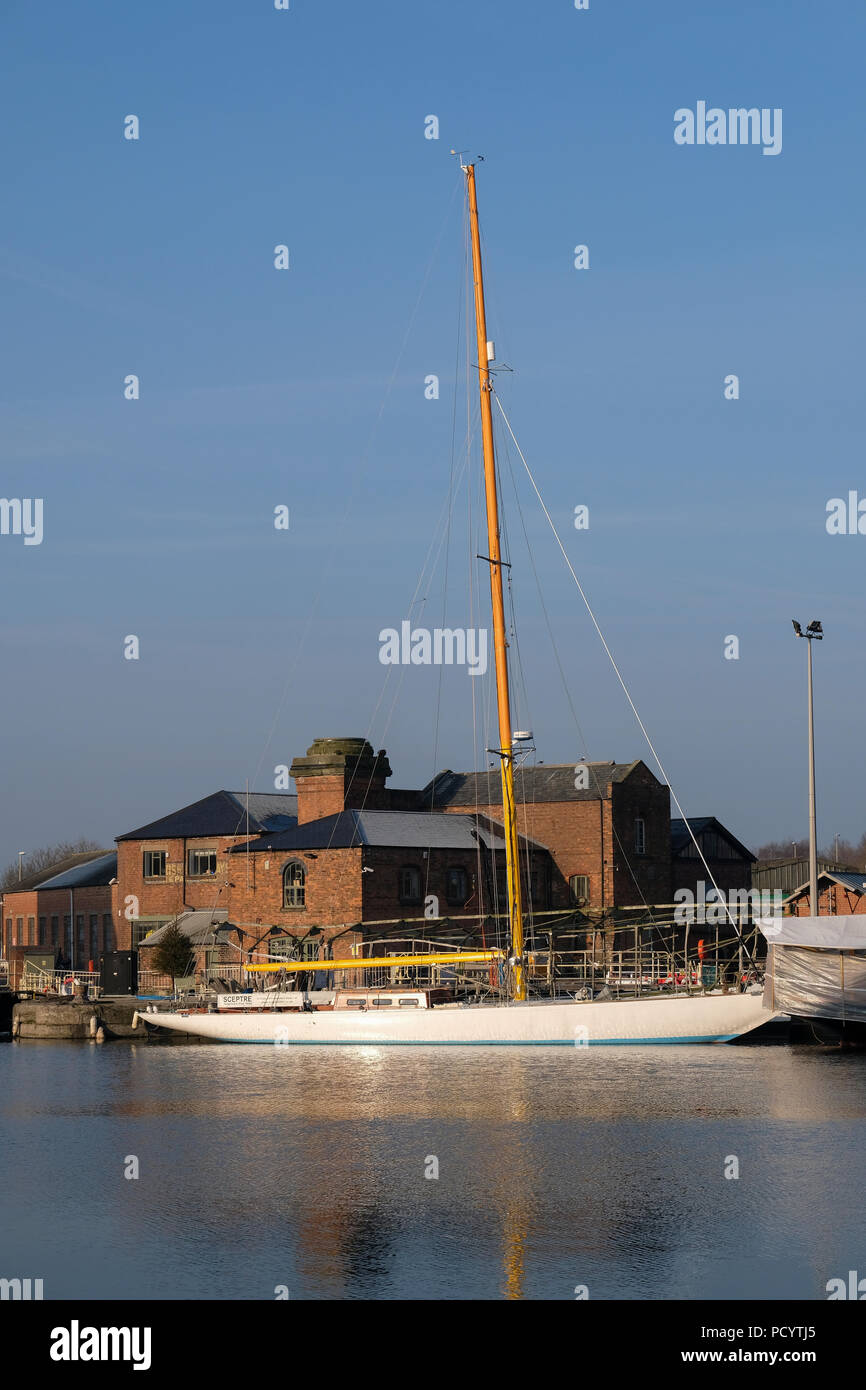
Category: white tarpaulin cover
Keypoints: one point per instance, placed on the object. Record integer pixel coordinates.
(816, 967)
(834, 933)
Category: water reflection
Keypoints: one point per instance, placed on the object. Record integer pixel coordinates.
(306, 1167)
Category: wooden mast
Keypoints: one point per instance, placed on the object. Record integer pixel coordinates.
(506, 755)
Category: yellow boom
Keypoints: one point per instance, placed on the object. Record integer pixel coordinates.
(438, 958)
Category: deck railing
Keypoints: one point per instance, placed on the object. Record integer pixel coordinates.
(555, 974)
(28, 978)
(551, 973)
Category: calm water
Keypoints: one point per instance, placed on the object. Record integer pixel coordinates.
(276, 1166)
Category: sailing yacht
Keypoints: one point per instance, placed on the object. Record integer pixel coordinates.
(391, 1015)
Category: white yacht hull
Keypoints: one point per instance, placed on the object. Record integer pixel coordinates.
(678, 1019)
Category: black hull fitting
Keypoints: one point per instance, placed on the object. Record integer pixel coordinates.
(828, 1032)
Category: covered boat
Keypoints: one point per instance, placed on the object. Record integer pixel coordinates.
(816, 971)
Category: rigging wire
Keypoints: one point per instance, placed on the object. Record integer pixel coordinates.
(612, 660)
(591, 768)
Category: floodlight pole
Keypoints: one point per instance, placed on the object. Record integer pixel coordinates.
(813, 632)
(813, 819)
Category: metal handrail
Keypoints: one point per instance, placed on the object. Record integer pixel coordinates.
(34, 979)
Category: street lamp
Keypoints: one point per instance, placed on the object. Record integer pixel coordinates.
(21, 854)
(814, 632)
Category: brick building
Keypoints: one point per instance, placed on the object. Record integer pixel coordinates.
(65, 909)
(610, 839)
(316, 866)
(839, 895)
(179, 862)
(349, 857)
(358, 874)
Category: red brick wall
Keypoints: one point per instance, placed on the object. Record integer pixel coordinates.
(54, 902)
(178, 891)
(338, 891)
(332, 892)
(382, 887)
(327, 796)
(580, 836)
(833, 900)
(641, 878)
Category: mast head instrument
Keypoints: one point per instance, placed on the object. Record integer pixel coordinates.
(458, 154)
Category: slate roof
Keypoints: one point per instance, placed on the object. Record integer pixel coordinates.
(386, 829)
(70, 862)
(94, 874)
(680, 836)
(545, 782)
(199, 924)
(223, 813)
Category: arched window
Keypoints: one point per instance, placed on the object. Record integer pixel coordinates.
(294, 885)
(410, 884)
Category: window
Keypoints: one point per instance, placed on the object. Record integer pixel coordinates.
(94, 935)
(410, 884)
(79, 937)
(409, 1004)
(356, 1003)
(640, 836)
(55, 931)
(143, 927)
(31, 931)
(8, 933)
(43, 933)
(19, 930)
(456, 886)
(201, 863)
(382, 1003)
(67, 936)
(107, 932)
(154, 863)
(294, 885)
(579, 885)
(281, 947)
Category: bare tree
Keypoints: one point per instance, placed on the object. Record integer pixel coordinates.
(44, 858)
(784, 849)
(837, 852)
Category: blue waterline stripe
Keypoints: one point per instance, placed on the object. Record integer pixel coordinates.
(489, 1042)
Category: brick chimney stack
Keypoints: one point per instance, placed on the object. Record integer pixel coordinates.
(339, 774)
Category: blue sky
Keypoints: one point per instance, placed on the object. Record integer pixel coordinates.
(306, 388)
